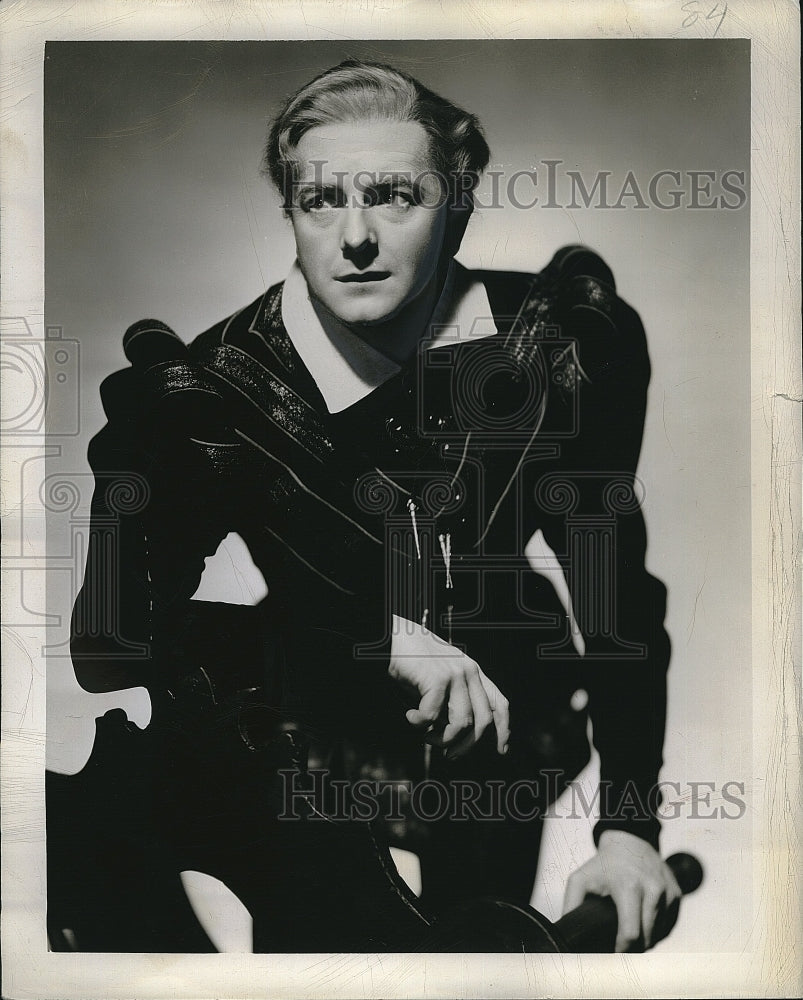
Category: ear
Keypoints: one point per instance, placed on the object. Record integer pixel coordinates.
(456, 223)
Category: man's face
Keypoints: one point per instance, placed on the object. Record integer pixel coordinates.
(369, 217)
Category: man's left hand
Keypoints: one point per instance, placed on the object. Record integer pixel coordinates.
(631, 872)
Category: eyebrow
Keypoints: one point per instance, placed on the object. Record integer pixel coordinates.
(367, 179)
(394, 177)
(310, 187)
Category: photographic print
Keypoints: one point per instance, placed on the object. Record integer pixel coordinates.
(391, 540)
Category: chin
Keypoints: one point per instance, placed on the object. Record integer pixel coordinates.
(372, 319)
(364, 314)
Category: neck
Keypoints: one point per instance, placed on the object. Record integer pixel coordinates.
(398, 337)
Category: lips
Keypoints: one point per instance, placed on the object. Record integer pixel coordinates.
(364, 276)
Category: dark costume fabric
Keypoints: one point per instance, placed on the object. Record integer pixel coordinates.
(417, 500)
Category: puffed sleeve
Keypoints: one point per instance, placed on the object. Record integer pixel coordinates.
(155, 516)
(588, 503)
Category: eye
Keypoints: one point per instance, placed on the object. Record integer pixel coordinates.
(317, 204)
(319, 201)
(400, 199)
(391, 197)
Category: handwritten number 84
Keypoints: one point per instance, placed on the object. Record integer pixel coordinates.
(693, 15)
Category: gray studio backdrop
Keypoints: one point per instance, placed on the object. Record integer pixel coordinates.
(154, 206)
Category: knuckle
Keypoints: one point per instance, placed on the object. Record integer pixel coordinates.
(441, 679)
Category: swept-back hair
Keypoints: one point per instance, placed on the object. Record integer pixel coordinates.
(360, 91)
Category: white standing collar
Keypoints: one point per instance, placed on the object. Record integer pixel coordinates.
(346, 368)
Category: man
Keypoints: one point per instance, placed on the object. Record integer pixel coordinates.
(385, 476)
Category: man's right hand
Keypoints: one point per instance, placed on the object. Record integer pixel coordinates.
(451, 687)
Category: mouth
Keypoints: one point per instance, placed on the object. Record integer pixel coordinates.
(364, 276)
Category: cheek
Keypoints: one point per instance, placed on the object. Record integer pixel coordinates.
(426, 248)
(309, 250)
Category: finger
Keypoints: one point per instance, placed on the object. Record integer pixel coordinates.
(577, 888)
(472, 736)
(461, 717)
(673, 890)
(667, 908)
(500, 710)
(665, 920)
(480, 705)
(651, 904)
(429, 708)
(628, 912)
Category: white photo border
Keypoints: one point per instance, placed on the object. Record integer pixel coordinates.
(771, 966)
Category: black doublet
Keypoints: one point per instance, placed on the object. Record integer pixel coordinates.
(416, 500)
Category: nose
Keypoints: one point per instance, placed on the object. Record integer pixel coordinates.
(357, 233)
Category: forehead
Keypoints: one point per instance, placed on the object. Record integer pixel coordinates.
(377, 146)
